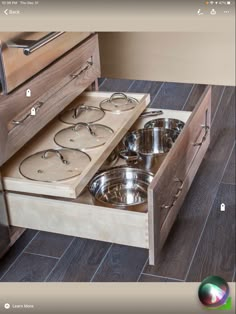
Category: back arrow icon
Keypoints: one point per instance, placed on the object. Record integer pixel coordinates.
(6, 11)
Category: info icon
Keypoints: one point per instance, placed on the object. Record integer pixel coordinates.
(214, 293)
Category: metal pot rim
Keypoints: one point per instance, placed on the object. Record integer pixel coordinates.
(101, 174)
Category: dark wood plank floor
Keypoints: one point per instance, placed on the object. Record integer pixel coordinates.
(202, 239)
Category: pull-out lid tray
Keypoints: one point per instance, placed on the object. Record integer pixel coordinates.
(71, 188)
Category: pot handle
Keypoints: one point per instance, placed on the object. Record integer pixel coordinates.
(58, 154)
(119, 95)
(169, 141)
(87, 125)
(129, 155)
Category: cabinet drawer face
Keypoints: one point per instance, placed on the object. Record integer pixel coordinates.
(71, 188)
(170, 185)
(51, 91)
(25, 54)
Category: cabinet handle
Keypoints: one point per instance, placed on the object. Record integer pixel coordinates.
(59, 155)
(33, 112)
(88, 65)
(206, 127)
(176, 196)
(29, 46)
(35, 109)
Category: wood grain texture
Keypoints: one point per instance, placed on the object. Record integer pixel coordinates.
(172, 96)
(216, 251)
(176, 166)
(121, 264)
(229, 175)
(30, 268)
(55, 88)
(178, 251)
(77, 219)
(15, 251)
(50, 244)
(173, 212)
(18, 67)
(120, 124)
(80, 261)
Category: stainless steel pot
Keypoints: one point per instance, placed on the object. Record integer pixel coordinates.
(167, 124)
(147, 148)
(121, 187)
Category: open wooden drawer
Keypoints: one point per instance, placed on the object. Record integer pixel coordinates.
(79, 217)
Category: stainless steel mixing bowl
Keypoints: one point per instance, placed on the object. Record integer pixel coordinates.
(121, 187)
(147, 148)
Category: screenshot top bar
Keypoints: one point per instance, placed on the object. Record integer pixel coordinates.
(110, 15)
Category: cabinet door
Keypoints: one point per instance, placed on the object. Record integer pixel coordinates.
(172, 182)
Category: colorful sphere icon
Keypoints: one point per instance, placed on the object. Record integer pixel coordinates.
(213, 292)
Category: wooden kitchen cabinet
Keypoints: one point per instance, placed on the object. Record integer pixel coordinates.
(67, 207)
(25, 54)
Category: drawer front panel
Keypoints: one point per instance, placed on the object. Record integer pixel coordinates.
(170, 185)
(25, 54)
(81, 220)
(51, 91)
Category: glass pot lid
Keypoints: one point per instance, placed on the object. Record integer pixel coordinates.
(118, 102)
(81, 113)
(54, 165)
(83, 136)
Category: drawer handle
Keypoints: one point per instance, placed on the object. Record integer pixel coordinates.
(89, 64)
(176, 196)
(29, 46)
(59, 155)
(33, 112)
(35, 109)
(207, 128)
